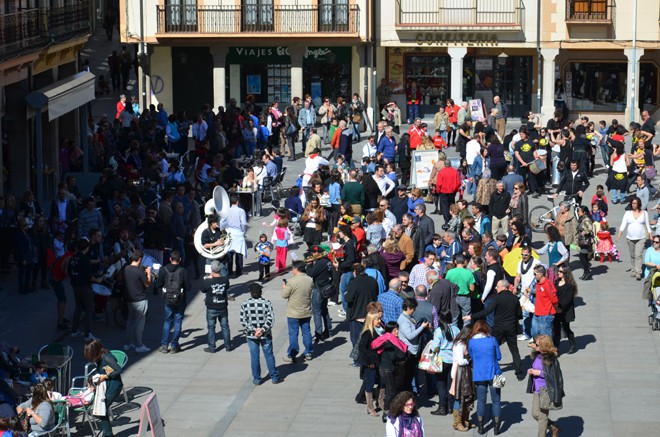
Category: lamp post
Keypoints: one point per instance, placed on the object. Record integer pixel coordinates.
(538, 57)
(634, 64)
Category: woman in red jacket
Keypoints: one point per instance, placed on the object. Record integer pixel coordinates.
(452, 111)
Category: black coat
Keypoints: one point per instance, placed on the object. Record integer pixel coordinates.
(362, 290)
(367, 356)
(565, 295)
(554, 380)
(507, 313)
(572, 184)
(499, 203)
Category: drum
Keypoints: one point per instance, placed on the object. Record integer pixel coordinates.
(150, 261)
(537, 166)
(101, 290)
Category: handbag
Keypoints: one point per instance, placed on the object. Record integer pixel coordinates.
(545, 403)
(291, 130)
(499, 381)
(507, 156)
(355, 352)
(357, 118)
(526, 304)
(430, 360)
(328, 291)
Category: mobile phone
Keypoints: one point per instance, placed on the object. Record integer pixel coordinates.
(284, 280)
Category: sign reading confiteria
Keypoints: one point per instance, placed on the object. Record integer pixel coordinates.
(456, 38)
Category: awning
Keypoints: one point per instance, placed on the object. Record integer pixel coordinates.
(64, 96)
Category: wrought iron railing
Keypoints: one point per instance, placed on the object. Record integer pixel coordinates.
(590, 10)
(19, 31)
(66, 21)
(459, 13)
(335, 18)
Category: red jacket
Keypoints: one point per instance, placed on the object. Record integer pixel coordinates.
(546, 298)
(448, 181)
(416, 98)
(120, 107)
(452, 112)
(416, 136)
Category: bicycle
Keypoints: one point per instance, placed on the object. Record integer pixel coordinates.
(542, 216)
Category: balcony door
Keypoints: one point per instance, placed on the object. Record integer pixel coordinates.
(333, 15)
(585, 9)
(181, 15)
(257, 16)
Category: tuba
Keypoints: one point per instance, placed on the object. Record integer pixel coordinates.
(218, 204)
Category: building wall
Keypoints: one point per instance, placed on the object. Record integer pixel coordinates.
(161, 77)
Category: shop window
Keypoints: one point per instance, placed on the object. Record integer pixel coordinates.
(596, 86)
(333, 15)
(257, 15)
(181, 15)
(432, 75)
(648, 86)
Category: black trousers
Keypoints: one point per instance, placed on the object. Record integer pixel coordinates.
(238, 258)
(510, 336)
(445, 201)
(558, 323)
(584, 260)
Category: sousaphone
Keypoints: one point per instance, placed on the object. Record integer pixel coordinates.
(218, 204)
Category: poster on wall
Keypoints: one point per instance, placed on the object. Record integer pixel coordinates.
(422, 165)
(316, 94)
(395, 71)
(477, 109)
(254, 84)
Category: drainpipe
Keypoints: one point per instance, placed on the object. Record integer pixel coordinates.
(538, 57)
(143, 52)
(634, 64)
(374, 101)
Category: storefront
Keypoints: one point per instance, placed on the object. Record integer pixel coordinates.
(327, 73)
(265, 72)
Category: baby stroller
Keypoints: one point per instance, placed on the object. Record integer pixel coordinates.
(652, 293)
(295, 225)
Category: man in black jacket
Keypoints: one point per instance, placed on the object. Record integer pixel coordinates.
(574, 182)
(320, 270)
(506, 326)
(399, 204)
(361, 290)
(425, 229)
(345, 265)
(498, 208)
(174, 283)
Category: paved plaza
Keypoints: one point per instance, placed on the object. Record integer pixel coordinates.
(612, 383)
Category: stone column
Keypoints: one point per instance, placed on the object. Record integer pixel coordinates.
(219, 54)
(632, 85)
(296, 54)
(548, 84)
(456, 89)
(234, 83)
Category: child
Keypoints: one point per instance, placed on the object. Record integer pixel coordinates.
(282, 237)
(280, 213)
(605, 244)
(601, 199)
(438, 141)
(50, 388)
(264, 249)
(40, 373)
(436, 245)
(340, 165)
(596, 214)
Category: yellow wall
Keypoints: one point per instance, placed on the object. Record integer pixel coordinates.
(161, 70)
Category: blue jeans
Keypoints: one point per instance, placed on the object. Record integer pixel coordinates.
(267, 346)
(490, 318)
(322, 322)
(343, 285)
(356, 131)
(413, 112)
(296, 325)
(355, 328)
(605, 153)
(618, 195)
(542, 325)
(482, 392)
(527, 323)
(222, 316)
(172, 314)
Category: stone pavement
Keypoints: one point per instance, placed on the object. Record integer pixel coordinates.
(611, 383)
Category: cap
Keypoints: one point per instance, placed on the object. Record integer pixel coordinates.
(402, 187)
(255, 287)
(316, 249)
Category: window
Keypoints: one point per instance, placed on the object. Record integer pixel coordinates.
(181, 15)
(588, 9)
(257, 15)
(596, 86)
(333, 15)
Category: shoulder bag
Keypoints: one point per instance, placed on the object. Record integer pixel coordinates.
(545, 403)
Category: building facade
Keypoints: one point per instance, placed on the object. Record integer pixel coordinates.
(208, 51)
(476, 49)
(41, 88)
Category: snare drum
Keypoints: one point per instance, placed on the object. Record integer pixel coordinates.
(101, 290)
(150, 261)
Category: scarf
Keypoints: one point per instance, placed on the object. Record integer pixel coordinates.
(514, 200)
(409, 426)
(378, 342)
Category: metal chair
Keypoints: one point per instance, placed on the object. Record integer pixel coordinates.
(63, 371)
(122, 359)
(62, 424)
(268, 183)
(278, 182)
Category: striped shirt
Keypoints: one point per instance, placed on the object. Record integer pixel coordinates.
(257, 313)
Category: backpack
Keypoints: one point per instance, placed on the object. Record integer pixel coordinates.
(173, 288)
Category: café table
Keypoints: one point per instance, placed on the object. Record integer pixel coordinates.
(62, 364)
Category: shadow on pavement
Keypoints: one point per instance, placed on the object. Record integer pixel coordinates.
(571, 425)
(512, 412)
(138, 392)
(328, 345)
(287, 369)
(582, 341)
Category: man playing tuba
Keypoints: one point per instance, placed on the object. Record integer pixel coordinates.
(213, 239)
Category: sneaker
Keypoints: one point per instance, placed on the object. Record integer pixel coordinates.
(309, 357)
(142, 349)
(90, 337)
(175, 350)
(523, 337)
(210, 350)
(277, 381)
(76, 334)
(332, 303)
(288, 359)
(341, 313)
(129, 347)
(163, 350)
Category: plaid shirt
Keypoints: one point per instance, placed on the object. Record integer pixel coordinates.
(257, 313)
(418, 276)
(392, 303)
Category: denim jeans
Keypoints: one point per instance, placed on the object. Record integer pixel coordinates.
(482, 392)
(527, 323)
(413, 112)
(605, 153)
(618, 195)
(322, 322)
(296, 325)
(255, 363)
(343, 285)
(355, 328)
(213, 315)
(137, 316)
(173, 315)
(490, 318)
(84, 298)
(542, 325)
(443, 383)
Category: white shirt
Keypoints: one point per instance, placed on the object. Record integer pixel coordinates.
(260, 173)
(635, 227)
(199, 130)
(61, 209)
(313, 162)
(472, 149)
(369, 150)
(527, 278)
(385, 184)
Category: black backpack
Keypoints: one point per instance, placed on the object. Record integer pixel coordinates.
(173, 288)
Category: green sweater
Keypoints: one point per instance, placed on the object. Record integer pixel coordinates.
(353, 193)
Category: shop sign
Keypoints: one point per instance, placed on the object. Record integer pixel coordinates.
(328, 55)
(258, 55)
(456, 39)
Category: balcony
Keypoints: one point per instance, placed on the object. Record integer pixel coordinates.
(20, 31)
(257, 20)
(453, 15)
(590, 11)
(67, 22)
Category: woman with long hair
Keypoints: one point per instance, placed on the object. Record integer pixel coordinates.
(392, 353)
(462, 386)
(110, 372)
(545, 374)
(566, 292)
(313, 218)
(519, 235)
(369, 360)
(393, 256)
(558, 254)
(519, 204)
(443, 341)
(485, 354)
(497, 160)
(404, 419)
(403, 152)
(636, 223)
(39, 409)
(617, 180)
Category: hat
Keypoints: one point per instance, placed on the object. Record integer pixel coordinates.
(357, 218)
(316, 249)
(255, 287)
(402, 187)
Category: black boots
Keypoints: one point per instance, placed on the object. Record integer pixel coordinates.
(480, 425)
(441, 411)
(496, 427)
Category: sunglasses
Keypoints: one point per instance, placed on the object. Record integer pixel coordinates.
(656, 242)
(409, 404)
